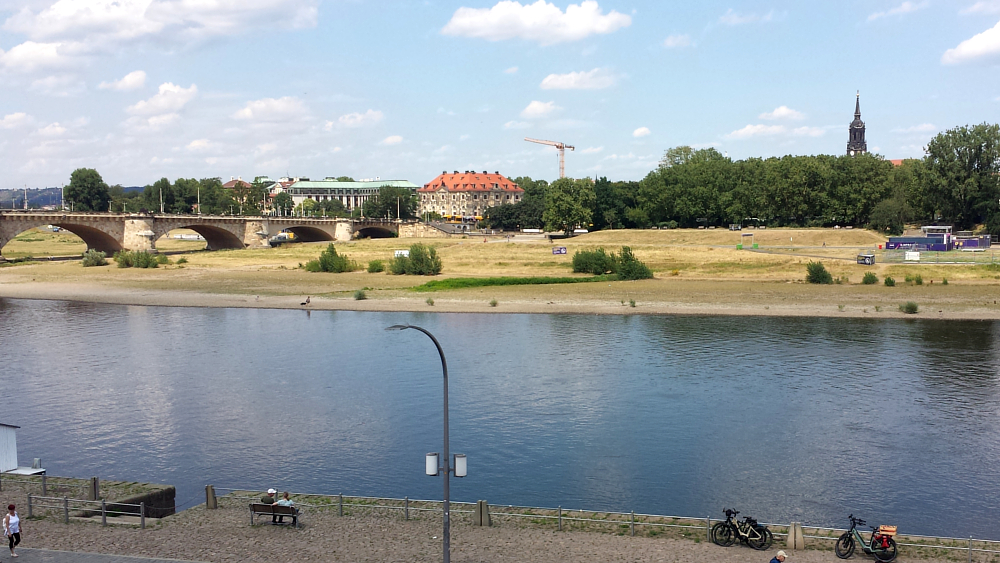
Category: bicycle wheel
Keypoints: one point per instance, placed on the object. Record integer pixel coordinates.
(845, 546)
(885, 554)
(760, 538)
(722, 534)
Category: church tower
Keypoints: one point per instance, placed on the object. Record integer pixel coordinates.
(856, 142)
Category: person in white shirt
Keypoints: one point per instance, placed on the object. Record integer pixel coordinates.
(12, 528)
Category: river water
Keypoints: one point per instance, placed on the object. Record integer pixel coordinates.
(783, 418)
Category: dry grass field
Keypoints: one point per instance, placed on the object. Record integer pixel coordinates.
(697, 271)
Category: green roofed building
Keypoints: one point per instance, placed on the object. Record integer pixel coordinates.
(352, 194)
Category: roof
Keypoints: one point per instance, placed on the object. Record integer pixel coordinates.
(352, 185)
(9, 425)
(471, 181)
(232, 184)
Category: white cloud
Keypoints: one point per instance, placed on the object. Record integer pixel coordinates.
(391, 140)
(596, 79)
(538, 109)
(58, 85)
(52, 130)
(983, 45)
(541, 22)
(131, 81)
(641, 132)
(758, 130)
(272, 109)
(154, 123)
(516, 125)
(904, 8)
(809, 131)
(732, 17)
(13, 120)
(989, 7)
(511, 70)
(31, 56)
(370, 117)
(674, 41)
(782, 112)
(170, 98)
(922, 128)
(592, 150)
(199, 145)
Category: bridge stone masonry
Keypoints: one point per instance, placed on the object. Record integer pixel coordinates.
(111, 232)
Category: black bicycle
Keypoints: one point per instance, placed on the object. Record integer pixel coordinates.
(881, 545)
(749, 531)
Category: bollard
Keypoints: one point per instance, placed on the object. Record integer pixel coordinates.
(142, 515)
(406, 507)
(66, 509)
(340, 504)
(970, 549)
(211, 503)
(45, 488)
(104, 513)
(29, 505)
(560, 518)
(97, 488)
(708, 527)
(631, 526)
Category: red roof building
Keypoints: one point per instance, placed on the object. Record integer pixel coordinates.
(467, 194)
(233, 182)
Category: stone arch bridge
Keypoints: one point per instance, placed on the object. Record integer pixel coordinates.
(111, 232)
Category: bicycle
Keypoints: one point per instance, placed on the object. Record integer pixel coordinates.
(881, 545)
(748, 531)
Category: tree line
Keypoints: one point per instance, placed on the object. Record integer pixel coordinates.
(957, 182)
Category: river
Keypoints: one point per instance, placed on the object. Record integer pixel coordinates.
(804, 419)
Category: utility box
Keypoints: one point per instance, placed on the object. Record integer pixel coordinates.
(866, 259)
(8, 447)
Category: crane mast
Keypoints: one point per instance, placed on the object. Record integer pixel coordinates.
(562, 152)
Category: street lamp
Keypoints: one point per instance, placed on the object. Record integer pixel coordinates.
(432, 464)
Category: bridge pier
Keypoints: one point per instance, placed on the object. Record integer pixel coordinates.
(255, 234)
(139, 235)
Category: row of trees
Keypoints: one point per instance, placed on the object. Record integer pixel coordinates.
(957, 182)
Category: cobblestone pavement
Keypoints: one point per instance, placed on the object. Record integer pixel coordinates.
(50, 556)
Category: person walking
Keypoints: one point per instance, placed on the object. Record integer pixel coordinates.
(779, 557)
(12, 528)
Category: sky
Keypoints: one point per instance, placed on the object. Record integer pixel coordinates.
(144, 89)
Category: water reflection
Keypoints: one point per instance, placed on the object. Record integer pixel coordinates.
(804, 419)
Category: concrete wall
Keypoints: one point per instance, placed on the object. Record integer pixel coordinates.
(421, 230)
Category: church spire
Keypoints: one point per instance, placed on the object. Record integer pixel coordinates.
(856, 143)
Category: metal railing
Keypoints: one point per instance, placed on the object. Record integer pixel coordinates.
(85, 508)
(48, 484)
(559, 517)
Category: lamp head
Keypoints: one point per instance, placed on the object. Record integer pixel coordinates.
(397, 327)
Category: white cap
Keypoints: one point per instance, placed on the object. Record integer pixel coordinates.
(781, 554)
(271, 491)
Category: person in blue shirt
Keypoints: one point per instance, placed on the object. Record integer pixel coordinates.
(779, 557)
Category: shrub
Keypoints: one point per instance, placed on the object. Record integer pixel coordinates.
(944, 281)
(422, 261)
(596, 262)
(889, 282)
(182, 260)
(330, 261)
(376, 266)
(918, 280)
(135, 259)
(94, 258)
(816, 273)
(162, 259)
(869, 279)
(360, 295)
(628, 267)
(430, 301)
(631, 302)
(910, 308)
(312, 266)
(493, 302)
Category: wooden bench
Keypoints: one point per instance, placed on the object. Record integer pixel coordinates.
(258, 509)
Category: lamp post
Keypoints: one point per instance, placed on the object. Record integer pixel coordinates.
(432, 464)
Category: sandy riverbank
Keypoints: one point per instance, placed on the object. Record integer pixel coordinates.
(225, 535)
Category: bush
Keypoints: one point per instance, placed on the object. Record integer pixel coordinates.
(869, 279)
(910, 308)
(889, 282)
(597, 262)
(94, 258)
(312, 266)
(628, 267)
(493, 302)
(422, 261)
(430, 301)
(917, 279)
(182, 260)
(816, 273)
(944, 281)
(162, 259)
(135, 259)
(376, 266)
(330, 261)
(360, 295)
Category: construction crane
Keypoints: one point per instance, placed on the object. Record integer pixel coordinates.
(562, 152)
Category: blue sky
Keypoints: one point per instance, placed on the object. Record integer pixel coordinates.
(142, 89)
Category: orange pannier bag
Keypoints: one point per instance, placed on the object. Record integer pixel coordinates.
(887, 530)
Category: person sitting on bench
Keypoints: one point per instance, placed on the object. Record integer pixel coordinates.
(285, 501)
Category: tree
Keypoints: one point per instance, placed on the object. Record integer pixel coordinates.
(389, 200)
(283, 201)
(87, 190)
(569, 204)
(964, 180)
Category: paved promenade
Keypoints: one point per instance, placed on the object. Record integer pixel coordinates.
(50, 556)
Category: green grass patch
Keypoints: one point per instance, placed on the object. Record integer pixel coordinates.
(464, 283)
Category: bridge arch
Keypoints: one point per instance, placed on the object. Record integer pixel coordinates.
(216, 238)
(306, 233)
(94, 238)
(375, 232)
